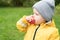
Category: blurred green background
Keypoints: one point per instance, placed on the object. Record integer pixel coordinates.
(20, 3)
(12, 10)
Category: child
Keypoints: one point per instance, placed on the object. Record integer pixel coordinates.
(40, 25)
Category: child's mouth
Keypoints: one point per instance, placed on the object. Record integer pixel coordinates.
(31, 21)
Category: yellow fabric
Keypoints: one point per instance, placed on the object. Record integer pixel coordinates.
(46, 31)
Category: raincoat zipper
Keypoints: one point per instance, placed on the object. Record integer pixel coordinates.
(35, 32)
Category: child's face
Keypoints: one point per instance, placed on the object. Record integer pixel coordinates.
(36, 16)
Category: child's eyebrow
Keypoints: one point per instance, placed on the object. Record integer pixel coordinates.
(36, 13)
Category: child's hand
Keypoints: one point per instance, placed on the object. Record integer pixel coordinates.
(23, 22)
(30, 19)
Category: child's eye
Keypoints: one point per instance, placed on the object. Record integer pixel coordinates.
(36, 14)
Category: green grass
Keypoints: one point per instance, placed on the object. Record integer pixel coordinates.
(9, 17)
(57, 17)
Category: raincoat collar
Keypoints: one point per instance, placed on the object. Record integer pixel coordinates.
(48, 24)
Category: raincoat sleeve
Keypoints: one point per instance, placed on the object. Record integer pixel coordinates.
(54, 35)
(22, 24)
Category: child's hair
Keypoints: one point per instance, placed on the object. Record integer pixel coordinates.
(45, 8)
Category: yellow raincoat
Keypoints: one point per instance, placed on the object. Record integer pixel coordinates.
(44, 31)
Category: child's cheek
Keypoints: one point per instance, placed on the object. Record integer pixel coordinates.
(37, 20)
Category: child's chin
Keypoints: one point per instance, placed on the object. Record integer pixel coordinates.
(37, 23)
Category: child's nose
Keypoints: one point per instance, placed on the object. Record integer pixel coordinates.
(32, 16)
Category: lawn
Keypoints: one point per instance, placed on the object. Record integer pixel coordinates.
(9, 17)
